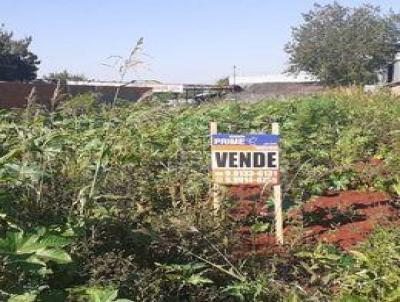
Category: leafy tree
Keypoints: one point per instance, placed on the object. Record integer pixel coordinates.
(223, 81)
(17, 62)
(342, 45)
(65, 75)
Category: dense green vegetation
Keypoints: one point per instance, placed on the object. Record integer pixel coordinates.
(65, 75)
(17, 62)
(112, 204)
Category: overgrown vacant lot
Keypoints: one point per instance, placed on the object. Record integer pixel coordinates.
(106, 204)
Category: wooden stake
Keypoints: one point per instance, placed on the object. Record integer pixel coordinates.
(216, 190)
(275, 128)
(278, 200)
(213, 128)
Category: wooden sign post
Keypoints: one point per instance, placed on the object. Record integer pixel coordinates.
(251, 159)
(216, 190)
(278, 200)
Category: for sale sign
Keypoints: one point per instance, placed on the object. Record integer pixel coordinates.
(245, 159)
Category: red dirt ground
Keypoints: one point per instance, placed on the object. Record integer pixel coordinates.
(347, 218)
(345, 200)
(344, 219)
(246, 208)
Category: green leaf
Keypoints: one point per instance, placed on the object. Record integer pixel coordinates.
(54, 241)
(101, 294)
(27, 297)
(33, 251)
(394, 296)
(58, 256)
(351, 298)
(396, 188)
(260, 227)
(359, 256)
(198, 279)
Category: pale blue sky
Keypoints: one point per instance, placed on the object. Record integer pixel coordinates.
(188, 40)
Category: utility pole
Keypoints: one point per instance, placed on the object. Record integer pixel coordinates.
(234, 76)
(234, 81)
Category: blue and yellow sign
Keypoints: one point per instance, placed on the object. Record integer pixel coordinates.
(245, 159)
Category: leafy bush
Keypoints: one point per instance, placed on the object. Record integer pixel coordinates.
(375, 273)
(100, 203)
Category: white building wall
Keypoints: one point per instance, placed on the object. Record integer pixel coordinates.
(396, 71)
(273, 78)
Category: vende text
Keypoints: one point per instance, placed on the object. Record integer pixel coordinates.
(245, 160)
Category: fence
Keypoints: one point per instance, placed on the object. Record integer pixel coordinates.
(14, 94)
